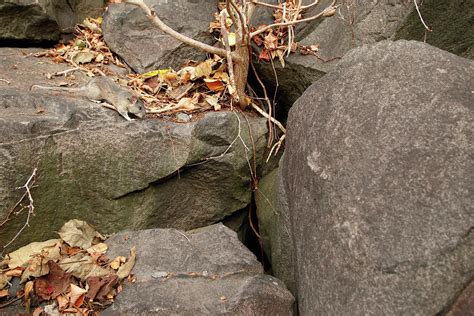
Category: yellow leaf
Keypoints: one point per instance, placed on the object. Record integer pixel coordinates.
(154, 73)
(99, 248)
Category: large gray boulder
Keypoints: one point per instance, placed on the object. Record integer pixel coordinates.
(378, 168)
(143, 46)
(202, 272)
(94, 165)
(44, 20)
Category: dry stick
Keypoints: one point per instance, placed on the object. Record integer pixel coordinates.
(65, 72)
(230, 64)
(421, 18)
(264, 29)
(5, 80)
(31, 207)
(152, 16)
(253, 169)
(7, 218)
(12, 301)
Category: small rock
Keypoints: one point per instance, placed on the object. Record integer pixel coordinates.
(183, 117)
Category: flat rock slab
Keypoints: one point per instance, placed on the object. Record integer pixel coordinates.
(202, 272)
(94, 165)
(378, 169)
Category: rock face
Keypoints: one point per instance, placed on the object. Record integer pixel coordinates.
(93, 165)
(44, 20)
(143, 46)
(203, 272)
(452, 23)
(378, 168)
(275, 227)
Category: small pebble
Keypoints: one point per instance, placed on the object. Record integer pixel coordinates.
(183, 117)
(160, 274)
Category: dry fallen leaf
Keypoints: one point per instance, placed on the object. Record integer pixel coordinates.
(99, 248)
(54, 283)
(82, 267)
(99, 287)
(77, 233)
(213, 101)
(3, 293)
(77, 295)
(215, 84)
(117, 262)
(125, 269)
(204, 69)
(21, 256)
(15, 272)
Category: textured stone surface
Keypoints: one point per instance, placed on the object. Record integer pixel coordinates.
(452, 23)
(379, 181)
(94, 165)
(203, 272)
(275, 227)
(44, 20)
(143, 46)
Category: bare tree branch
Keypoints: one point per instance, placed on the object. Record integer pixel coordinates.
(153, 17)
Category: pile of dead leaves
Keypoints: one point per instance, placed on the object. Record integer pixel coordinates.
(67, 275)
(195, 87)
(87, 52)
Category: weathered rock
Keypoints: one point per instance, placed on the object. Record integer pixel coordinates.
(452, 23)
(275, 227)
(379, 182)
(143, 46)
(44, 20)
(203, 272)
(93, 165)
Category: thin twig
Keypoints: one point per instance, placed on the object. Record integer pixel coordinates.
(421, 18)
(30, 207)
(12, 301)
(314, 17)
(65, 72)
(230, 64)
(5, 80)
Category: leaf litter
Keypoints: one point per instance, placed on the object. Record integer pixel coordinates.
(197, 86)
(69, 275)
